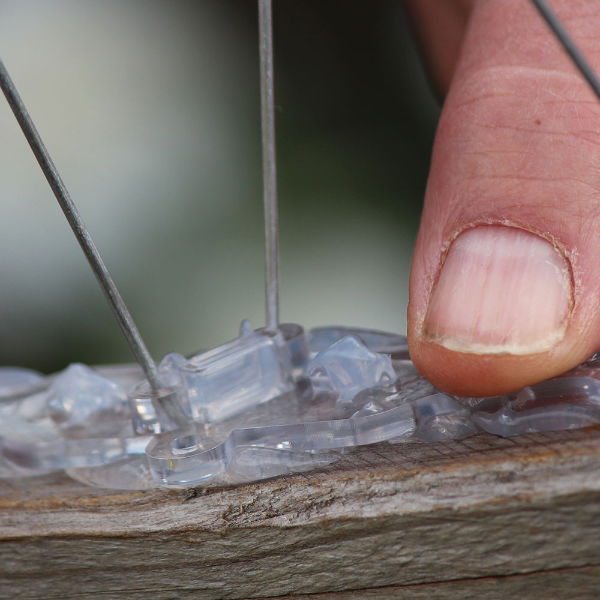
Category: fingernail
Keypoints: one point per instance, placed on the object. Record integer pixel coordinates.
(500, 290)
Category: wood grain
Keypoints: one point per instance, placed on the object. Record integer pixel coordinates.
(482, 518)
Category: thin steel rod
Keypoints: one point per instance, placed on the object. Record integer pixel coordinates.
(267, 97)
(569, 45)
(104, 278)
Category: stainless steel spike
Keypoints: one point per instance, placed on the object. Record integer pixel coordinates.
(569, 45)
(269, 161)
(124, 318)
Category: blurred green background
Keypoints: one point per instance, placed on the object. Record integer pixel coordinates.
(150, 110)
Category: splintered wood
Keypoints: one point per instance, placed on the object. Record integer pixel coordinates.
(486, 517)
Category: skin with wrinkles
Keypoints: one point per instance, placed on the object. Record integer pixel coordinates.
(518, 144)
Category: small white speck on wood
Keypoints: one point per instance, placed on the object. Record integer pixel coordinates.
(482, 518)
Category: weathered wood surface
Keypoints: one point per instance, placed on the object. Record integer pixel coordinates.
(482, 518)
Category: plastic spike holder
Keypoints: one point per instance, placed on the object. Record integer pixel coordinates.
(264, 404)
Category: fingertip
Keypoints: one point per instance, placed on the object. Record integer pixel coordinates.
(480, 375)
(505, 278)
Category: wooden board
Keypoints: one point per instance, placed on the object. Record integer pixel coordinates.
(482, 518)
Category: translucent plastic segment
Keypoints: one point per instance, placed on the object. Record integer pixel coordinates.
(491, 404)
(348, 367)
(15, 380)
(190, 458)
(440, 417)
(412, 386)
(377, 400)
(162, 410)
(32, 408)
(180, 459)
(507, 422)
(131, 473)
(296, 340)
(250, 463)
(576, 389)
(83, 403)
(20, 443)
(372, 401)
(144, 416)
(32, 450)
(321, 338)
(236, 376)
(259, 419)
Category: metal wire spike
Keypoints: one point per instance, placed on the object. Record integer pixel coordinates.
(569, 45)
(69, 209)
(269, 161)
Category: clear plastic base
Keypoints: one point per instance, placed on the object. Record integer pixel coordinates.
(265, 404)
